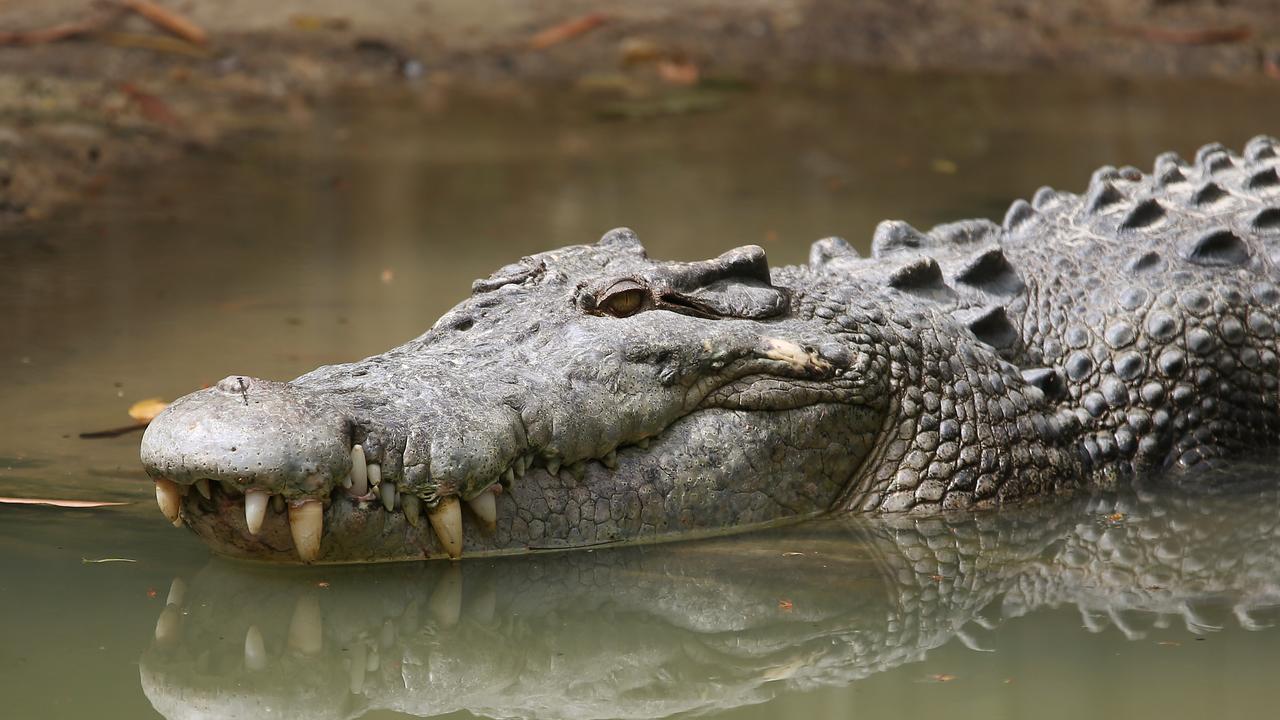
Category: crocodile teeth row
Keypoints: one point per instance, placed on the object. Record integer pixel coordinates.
(306, 517)
(445, 519)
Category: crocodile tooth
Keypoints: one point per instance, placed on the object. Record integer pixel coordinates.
(202, 486)
(375, 474)
(359, 472)
(255, 508)
(373, 661)
(255, 651)
(388, 493)
(346, 481)
(643, 443)
(610, 460)
(170, 499)
(277, 503)
(578, 470)
(521, 465)
(227, 488)
(306, 628)
(553, 466)
(509, 475)
(446, 520)
(411, 506)
(485, 507)
(306, 524)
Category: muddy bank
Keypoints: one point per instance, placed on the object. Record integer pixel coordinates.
(86, 89)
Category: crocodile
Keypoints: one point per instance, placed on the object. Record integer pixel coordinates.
(590, 395)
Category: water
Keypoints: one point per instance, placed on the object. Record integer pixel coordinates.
(345, 238)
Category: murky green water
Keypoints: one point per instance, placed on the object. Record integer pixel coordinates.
(340, 241)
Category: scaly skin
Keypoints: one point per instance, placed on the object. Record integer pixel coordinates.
(608, 398)
(697, 627)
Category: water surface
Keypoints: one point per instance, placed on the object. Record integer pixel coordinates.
(347, 237)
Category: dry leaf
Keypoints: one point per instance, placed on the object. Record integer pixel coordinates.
(146, 410)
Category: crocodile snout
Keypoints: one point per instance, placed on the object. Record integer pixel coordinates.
(257, 439)
(251, 433)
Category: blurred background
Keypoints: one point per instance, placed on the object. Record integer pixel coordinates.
(190, 189)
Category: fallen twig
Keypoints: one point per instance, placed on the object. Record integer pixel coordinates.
(567, 30)
(59, 503)
(168, 20)
(113, 432)
(106, 560)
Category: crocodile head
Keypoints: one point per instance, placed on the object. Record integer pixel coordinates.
(583, 396)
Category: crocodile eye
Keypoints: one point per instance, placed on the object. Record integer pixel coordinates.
(623, 299)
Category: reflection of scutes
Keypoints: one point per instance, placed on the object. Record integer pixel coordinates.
(652, 632)
(1164, 556)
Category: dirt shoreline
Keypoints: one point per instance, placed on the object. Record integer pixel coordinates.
(129, 91)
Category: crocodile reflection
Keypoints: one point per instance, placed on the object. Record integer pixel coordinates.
(653, 632)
